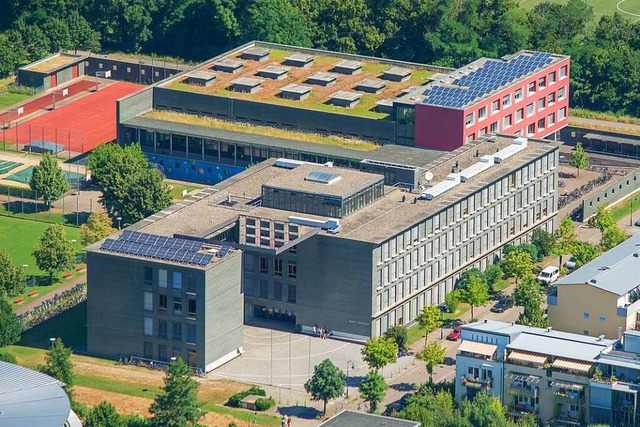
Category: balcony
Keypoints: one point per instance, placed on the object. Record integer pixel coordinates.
(517, 389)
(476, 383)
(629, 309)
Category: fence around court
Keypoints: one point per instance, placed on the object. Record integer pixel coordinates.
(38, 139)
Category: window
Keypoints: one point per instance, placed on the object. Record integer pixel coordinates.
(148, 275)
(277, 291)
(470, 138)
(191, 307)
(162, 302)
(264, 265)
(291, 294)
(495, 106)
(128, 69)
(602, 318)
(162, 329)
(482, 113)
(562, 93)
(115, 68)
(531, 88)
(162, 278)
(506, 101)
(562, 113)
(563, 72)
(519, 115)
(551, 98)
(531, 129)
(191, 284)
(541, 103)
(531, 109)
(277, 267)
(482, 132)
(148, 301)
(585, 315)
(177, 331)
(551, 119)
(148, 326)
(518, 95)
(494, 127)
(542, 82)
(293, 270)
(162, 352)
(552, 77)
(191, 334)
(100, 65)
(541, 124)
(264, 289)
(177, 306)
(176, 282)
(507, 121)
(142, 71)
(469, 119)
(147, 350)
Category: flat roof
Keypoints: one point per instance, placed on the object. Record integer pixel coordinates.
(351, 180)
(256, 51)
(246, 81)
(610, 271)
(229, 63)
(202, 75)
(372, 83)
(294, 88)
(344, 95)
(53, 62)
(322, 76)
(612, 138)
(273, 69)
(300, 57)
(376, 222)
(361, 419)
(397, 71)
(348, 64)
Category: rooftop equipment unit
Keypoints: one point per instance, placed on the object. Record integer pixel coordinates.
(332, 225)
(518, 145)
(485, 163)
(452, 180)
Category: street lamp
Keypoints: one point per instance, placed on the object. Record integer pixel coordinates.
(353, 366)
(119, 219)
(52, 340)
(24, 267)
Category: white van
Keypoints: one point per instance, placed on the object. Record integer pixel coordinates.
(549, 275)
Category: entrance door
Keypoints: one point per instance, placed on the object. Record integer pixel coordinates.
(191, 358)
(53, 80)
(74, 71)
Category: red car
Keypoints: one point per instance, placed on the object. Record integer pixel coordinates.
(455, 335)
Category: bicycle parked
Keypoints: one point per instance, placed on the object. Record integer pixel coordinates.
(53, 306)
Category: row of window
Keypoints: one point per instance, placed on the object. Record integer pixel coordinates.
(163, 353)
(177, 329)
(277, 267)
(177, 279)
(178, 304)
(272, 291)
(141, 70)
(531, 129)
(586, 315)
(541, 104)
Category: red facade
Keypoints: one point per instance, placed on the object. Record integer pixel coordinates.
(537, 113)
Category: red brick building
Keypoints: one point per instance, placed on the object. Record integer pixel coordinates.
(525, 94)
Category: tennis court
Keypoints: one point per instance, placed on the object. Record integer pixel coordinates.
(6, 166)
(24, 176)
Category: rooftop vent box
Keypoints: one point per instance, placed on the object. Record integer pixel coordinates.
(323, 177)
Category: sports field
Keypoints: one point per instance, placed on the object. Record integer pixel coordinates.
(628, 8)
(24, 176)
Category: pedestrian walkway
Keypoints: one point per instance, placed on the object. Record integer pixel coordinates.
(64, 287)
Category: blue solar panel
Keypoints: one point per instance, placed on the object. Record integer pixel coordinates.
(206, 259)
(223, 250)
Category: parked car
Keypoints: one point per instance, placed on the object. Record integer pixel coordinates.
(456, 334)
(571, 263)
(548, 275)
(503, 305)
(638, 223)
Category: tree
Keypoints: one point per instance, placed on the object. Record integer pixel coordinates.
(430, 407)
(565, 238)
(399, 334)
(11, 276)
(517, 264)
(465, 278)
(579, 159)
(484, 411)
(493, 273)
(104, 415)
(531, 249)
(48, 180)
(530, 295)
(327, 382)
(543, 241)
(379, 352)
(429, 319)
(82, 36)
(584, 252)
(433, 355)
(602, 219)
(57, 364)
(10, 327)
(475, 294)
(97, 227)
(452, 300)
(146, 194)
(372, 389)
(612, 237)
(177, 405)
(54, 252)
(277, 21)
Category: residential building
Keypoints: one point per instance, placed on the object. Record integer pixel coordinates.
(335, 247)
(531, 370)
(614, 388)
(601, 297)
(348, 418)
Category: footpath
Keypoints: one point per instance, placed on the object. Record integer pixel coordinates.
(69, 283)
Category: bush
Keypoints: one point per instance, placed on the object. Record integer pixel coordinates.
(531, 249)
(234, 401)
(399, 335)
(5, 356)
(452, 300)
(81, 410)
(493, 273)
(264, 403)
(135, 421)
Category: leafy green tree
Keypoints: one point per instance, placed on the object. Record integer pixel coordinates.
(602, 219)
(11, 276)
(146, 194)
(579, 158)
(584, 252)
(10, 328)
(530, 295)
(430, 407)
(565, 238)
(429, 319)
(57, 364)
(57, 32)
(543, 241)
(277, 21)
(82, 36)
(54, 252)
(399, 334)
(531, 249)
(432, 354)
(97, 227)
(327, 382)
(48, 179)
(452, 300)
(8, 57)
(379, 352)
(372, 389)
(517, 264)
(484, 411)
(612, 237)
(465, 278)
(104, 414)
(177, 405)
(475, 294)
(493, 273)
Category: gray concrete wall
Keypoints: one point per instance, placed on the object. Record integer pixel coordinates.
(132, 70)
(65, 75)
(33, 79)
(274, 115)
(611, 193)
(132, 106)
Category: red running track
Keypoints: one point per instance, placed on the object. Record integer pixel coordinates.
(80, 125)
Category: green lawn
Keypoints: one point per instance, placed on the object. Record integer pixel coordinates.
(8, 99)
(177, 188)
(600, 7)
(623, 209)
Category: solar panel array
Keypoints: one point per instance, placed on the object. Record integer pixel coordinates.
(161, 247)
(486, 79)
